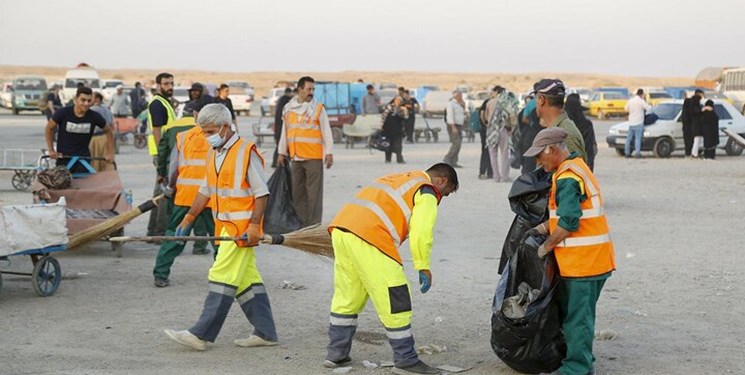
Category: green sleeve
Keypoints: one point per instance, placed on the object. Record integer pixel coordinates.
(164, 152)
(568, 198)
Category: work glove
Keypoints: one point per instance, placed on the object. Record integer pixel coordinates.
(184, 229)
(540, 229)
(542, 251)
(251, 237)
(425, 280)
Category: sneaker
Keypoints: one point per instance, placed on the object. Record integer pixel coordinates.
(200, 251)
(254, 341)
(401, 162)
(186, 338)
(482, 177)
(327, 363)
(161, 282)
(417, 368)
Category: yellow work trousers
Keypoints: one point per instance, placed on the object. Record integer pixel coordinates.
(360, 272)
(235, 265)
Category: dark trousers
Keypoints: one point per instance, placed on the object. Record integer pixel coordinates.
(688, 138)
(276, 152)
(307, 190)
(409, 128)
(396, 148)
(485, 163)
(710, 153)
(204, 225)
(158, 221)
(456, 139)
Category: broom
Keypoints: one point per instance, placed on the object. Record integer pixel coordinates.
(110, 226)
(314, 240)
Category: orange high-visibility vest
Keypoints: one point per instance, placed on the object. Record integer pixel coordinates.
(304, 137)
(380, 213)
(192, 149)
(230, 194)
(588, 251)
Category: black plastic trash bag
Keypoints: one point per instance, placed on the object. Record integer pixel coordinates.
(280, 216)
(529, 201)
(534, 342)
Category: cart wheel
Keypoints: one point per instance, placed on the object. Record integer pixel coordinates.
(22, 179)
(47, 276)
(140, 142)
(117, 247)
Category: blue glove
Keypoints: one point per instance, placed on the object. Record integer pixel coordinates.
(184, 229)
(425, 280)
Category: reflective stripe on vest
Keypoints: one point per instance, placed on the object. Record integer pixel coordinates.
(588, 251)
(230, 193)
(151, 145)
(380, 213)
(304, 137)
(192, 149)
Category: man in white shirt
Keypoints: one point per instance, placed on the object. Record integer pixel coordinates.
(307, 142)
(120, 104)
(455, 117)
(637, 108)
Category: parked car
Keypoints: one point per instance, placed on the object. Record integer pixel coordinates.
(421, 91)
(621, 90)
(435, 103)
(713, 95)
(666, 135)
(268, 103)
(84, 74)
(181, 94)
(108, 88)
(583, 92)
(476, 99)
(27, 91)
(654, 98)
(242, 95)
(386, 95)
(6, 95)
(606, 103)
(678, 92)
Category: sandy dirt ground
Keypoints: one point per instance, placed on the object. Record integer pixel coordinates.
(263, 81)
(675, 303)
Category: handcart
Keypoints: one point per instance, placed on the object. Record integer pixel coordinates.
(24, 164)
(35, 230)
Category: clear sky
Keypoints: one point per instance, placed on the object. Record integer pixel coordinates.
(624, 37)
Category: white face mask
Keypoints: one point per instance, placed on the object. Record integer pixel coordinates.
(216, 140)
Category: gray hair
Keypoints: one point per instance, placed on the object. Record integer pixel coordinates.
(214, 114)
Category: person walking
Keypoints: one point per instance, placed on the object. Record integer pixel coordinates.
(485, 170)
(709, 124)
(236, 187)
(52, 102)
(366, 234)
(137, 99)
(182, 155)
(579, 237)
(412, 108)
(455, 117)
(223, 97)
(371, 102)
(576, 112)
(549, 106)
(499, 111)
(98, 143)
(120, 103)
(160, 115)
(393, 119)
(637, 108)
(278, 120)
(75, 126)
(530, 125)
(307, 141)
(690, 113)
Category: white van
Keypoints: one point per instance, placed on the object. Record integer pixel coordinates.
(88, 76)
(435, 103)
(666, 135)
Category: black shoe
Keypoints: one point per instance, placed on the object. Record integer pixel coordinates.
(161, 282)
(417, 368)
(200, 251)
(401, 162)
(327, 363)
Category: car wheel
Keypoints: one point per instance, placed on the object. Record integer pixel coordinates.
(732, 148)
(620, 152)
(663, 147)
(601, 115)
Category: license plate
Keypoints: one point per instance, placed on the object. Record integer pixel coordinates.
(620, 141)
(333, 119)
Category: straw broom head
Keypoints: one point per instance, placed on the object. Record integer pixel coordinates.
(314, 240)
(110, 226)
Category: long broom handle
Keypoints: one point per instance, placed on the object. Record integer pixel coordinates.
(266, 239)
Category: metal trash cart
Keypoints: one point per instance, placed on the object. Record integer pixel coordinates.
(36, 230)
(25, 164)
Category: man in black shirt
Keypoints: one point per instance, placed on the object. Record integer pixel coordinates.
(222, 97)
(52, 102)
(281, 103)
(137, 99)
(412, 105)
(75, 127)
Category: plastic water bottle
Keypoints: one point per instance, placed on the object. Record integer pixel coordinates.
(128, 196)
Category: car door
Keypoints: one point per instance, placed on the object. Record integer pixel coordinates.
(725, 121)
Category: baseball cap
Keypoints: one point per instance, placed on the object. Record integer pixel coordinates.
(196, 86)
(549, 86)
(545, 138)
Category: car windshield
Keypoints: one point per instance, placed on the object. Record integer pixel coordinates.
(236, 84)
(431, 88)
(72, 83)
(111, 84)
(180, 92)
(30, 84)
(613, 96)
(660, 95)
(667, 111)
